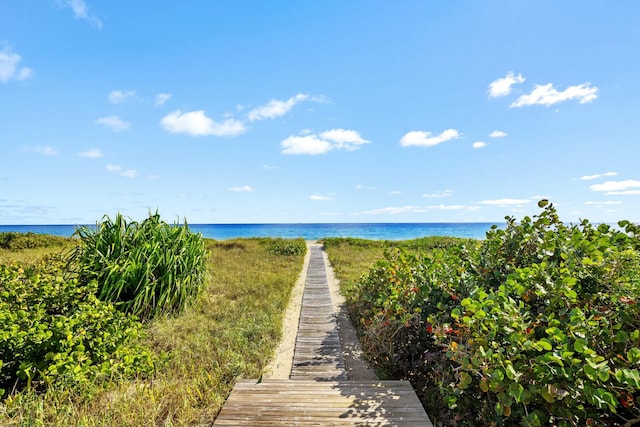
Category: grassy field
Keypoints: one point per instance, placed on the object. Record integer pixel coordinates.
(230, 332)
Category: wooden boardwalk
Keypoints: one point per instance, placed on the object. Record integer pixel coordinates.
(318, 391)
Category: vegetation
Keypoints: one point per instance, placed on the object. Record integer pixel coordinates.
(144, 268)
(54, 331)
(288, 247)
(536, 325)
(13, 240)
(69, 358)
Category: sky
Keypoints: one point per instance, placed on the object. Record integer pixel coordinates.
(248, 111)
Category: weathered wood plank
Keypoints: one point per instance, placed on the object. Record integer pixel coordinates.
(318, 392)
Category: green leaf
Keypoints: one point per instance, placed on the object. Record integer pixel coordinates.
(633, 355)
(581, 345)
(590, 372)
(545, 344)
(465, 380)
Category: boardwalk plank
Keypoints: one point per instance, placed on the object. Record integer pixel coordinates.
(318, 392)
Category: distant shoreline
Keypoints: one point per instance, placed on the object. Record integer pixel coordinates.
(308, 231)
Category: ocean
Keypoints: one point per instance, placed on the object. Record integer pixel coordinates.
(373, 231)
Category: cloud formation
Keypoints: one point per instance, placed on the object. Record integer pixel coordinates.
(10, 68)
(81, 11)
(505, 202)
(44, 150)
(417, 209)
(161, 98)
(444, 193)
(598, 175)
(629, 187)
(115, 123)
(334, 139)
(320, 197)
(92, 153)
(503, 86)
(119, 170)
(120, 96)
(242, 189)
(426, 139)
(547, 95)
(479, 144)
(276, 108)
(196, 123)
(497, 134)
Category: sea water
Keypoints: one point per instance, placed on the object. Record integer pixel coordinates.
(373, 231)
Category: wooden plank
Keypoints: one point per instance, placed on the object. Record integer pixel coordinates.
(318, 392)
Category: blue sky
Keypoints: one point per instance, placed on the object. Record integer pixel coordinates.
(318, 111)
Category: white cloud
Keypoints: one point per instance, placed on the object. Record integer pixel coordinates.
(269, 167)
(479, 144)
(334, 139)
(497, 134)
(625, 193)
(425, 139)
(10, 68)
(451, 207)
(502, 86)
(417, 209)
(625, 188)
(609, 202)
(120, 96)
(92, 153)
(119, 170)
(276, 108)
(44, 150)
(444, 193)
(161, 98)
(114, 123)
(393, 210)
(548, 95)
(598, 175)
(309, 144)
(320, 197)
(196, 123)
(242, 189)
(505, 202)
(81, 11)
(344, 139)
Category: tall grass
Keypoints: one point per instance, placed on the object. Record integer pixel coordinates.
(144, 268)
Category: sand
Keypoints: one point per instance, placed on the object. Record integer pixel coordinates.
(280, 366)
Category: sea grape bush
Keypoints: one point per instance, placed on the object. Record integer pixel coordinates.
(287, 247)
(54, 331)
(537, 325)
(144, 268)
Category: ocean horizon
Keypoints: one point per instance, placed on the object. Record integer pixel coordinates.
(308, 231)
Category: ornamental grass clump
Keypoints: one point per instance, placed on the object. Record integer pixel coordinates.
(144, 268)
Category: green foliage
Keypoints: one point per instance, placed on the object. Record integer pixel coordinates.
(144, 268)
(14, 240)
(287, 247)
(54, 331)
(538, 325)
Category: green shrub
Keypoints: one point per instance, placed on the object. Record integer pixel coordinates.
(287, 247)
(538, 325)
(144, 268)
(13, 240)
(54, 331)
